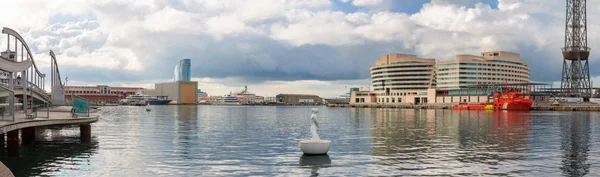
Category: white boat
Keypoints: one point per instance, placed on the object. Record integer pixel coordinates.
(228, 99)
(140, 98)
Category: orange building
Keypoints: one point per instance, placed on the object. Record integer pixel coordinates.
(100, 93)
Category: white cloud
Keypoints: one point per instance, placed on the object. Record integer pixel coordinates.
(330, 28)
(366, 3)
(169, 19)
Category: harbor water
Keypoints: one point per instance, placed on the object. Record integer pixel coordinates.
(263, 140)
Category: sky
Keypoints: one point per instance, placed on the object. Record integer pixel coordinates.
(320, 47)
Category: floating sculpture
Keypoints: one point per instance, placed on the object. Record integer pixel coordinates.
(314, 146)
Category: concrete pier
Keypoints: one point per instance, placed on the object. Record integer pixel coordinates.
(28, 135)
(537, 106)
(27, 127)
(12, 139)
(85, 131)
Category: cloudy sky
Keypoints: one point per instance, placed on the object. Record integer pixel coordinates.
(283, 46)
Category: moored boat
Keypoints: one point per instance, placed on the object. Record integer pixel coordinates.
(141, 99)
(504, 101)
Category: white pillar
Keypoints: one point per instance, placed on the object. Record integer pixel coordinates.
(25, 85)
(11, 95)
(52, 75)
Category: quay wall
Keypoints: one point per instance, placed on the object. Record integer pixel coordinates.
(583, 107)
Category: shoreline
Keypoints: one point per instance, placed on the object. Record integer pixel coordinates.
(534, 108)
(595, 107)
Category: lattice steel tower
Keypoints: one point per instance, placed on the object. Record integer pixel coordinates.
(576, 72)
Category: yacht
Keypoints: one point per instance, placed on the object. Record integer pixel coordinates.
(342, 99)
(228, 99)
(140, 98)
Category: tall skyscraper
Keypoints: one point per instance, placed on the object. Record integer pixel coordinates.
(183, 70)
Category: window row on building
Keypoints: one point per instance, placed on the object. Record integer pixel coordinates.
(408, 65)
(484, 69)
(483, 74)
(449, 65)
(481, 78)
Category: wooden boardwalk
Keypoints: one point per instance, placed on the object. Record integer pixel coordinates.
(56, 118)
(4, 171)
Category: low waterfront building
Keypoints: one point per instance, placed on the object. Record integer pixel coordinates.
(298, 99)
(180, 92)
(271, 99)
(100, 93)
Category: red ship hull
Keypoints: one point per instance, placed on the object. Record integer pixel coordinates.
(508, 100)
(516, 104)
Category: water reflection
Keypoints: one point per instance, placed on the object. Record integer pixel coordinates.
(60, 156)
(186, 130)
(315, 163)
(575, 142)
(430, 140)
(263, 141)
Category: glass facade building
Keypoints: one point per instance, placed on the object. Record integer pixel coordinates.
(183, 70)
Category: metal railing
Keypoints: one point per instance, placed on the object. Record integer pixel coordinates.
(19, 84)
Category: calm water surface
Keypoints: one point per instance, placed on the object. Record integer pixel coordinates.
(231, 141)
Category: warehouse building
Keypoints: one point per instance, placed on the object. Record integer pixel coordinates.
(298, 99)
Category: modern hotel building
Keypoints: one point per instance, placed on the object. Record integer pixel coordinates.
(400, 78)
(404, 78)
(488, 68)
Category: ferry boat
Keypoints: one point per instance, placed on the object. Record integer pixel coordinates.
(503, 101)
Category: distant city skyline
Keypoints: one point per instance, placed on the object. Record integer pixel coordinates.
(321, 47)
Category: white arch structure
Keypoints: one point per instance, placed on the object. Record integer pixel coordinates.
(22, 73)
(58, 89)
